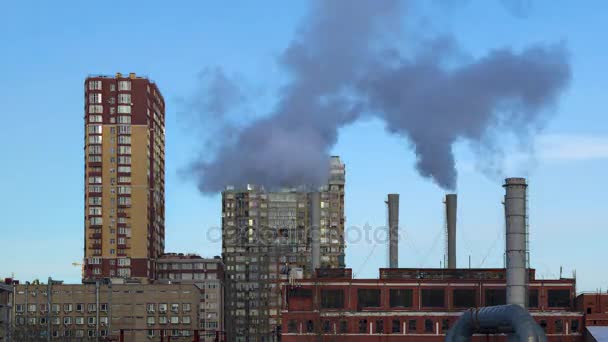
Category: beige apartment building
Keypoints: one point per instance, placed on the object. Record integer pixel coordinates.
(83, 312)
(124, 147)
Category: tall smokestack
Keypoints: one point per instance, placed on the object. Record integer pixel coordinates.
(315, 230)
(516, 241)
(451, 207)
(393, 230)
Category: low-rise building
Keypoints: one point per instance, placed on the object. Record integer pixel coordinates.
(208, 275)
(85, 311)
(6, 306)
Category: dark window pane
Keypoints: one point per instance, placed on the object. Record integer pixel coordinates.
(401, 298)
(332, 299)
(574, 325)
(558, 298)
(433, 298)
(396, 326)
(464, 298)
(310, 327)
(343, 326)
(543, 324)
(300, 292)
(326, 327)
(379, 327)
(496, 297)
(428, 325)
(445, 325)
(363, 326)
(368, 298)
(559, 326)
(292, 326)
(533, 298)
(411, 325)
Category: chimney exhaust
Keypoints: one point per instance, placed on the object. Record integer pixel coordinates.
(393, 230)
(516, 241)
(315, 230)
(451, 208)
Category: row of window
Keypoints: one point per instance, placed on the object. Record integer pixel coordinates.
(80, 307)
(97, 129)
(151, 320)
(377, 326)
(122, 139)
(91, 320)
(122, 85)
(122, 119)
(432, 298)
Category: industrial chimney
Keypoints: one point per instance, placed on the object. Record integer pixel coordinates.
(315, 231)
(451, 207)
(516, 241)
(393, 230)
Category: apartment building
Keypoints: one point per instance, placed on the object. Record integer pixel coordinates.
(87, 311)
(208, 275)
(6, 307)
(265, 237)
(124, 119)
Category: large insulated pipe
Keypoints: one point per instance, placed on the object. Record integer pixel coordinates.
(516, 237)
(511, 319)
(451, 205)
(393, 230)
(315, 231)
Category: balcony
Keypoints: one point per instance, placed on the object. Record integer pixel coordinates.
(95, 236)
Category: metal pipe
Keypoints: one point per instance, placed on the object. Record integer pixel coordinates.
(451, 207)
(516, 237)
(315, 223)
(393, 230)
(512, 319)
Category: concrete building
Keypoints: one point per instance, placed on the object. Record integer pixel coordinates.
(83, 311)
(124, 177)
(265, 237)
(208, 275)
(6, 308)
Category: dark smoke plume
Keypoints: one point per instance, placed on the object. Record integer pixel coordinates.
(342, 65)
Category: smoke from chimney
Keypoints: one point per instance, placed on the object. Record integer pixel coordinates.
(350, 59)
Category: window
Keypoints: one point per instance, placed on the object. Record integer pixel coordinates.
(95, 109)
(124, 98)
(411, 325)
(186, 319)
(559, 326)
(124, 129)
(428, 325)
(150, 332)
(332, 299)
(174, 319)
(574, 325)
(362, 326)
(124, 149)
(124, 169)
(32, 308)
(396, 327)
(558, 298)
(496, 297)
(343, 327)
(80, 307)
(162, 308)
(94, 85)
(464, 298)
(79, 320)
(91, 320)
(150, 320)
(326, 327)
(292, 326)
(95, 118)
(103, 320)
(55, 320)
(67, 307)
(124, 85)
(124, 109)
(103, 307)
(445, 325)
(96, 221)
(543, 324)
(95, 139)
(94, 210)
(94, 129)
(379, 326)
(150, 307)
(401, 298)
(79, 333)
(433, 298)
(368, 298)
(124, 200)
(91, 333)
(67, 320)
(55, 307)
(94, 98)
(124, 139)
(162, 320)
(124, 190)
(124, 119)
(533, 298)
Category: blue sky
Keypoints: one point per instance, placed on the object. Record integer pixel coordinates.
(48, 48)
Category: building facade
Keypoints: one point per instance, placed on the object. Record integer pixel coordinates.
(6, 309)
(208, 275)
(418, 305)
(85, 311)
(124, 177)
(265, 237)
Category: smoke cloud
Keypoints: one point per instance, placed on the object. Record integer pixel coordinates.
(348, 60)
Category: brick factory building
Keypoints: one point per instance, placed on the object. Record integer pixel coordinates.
(422, 304)
(124, 119)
